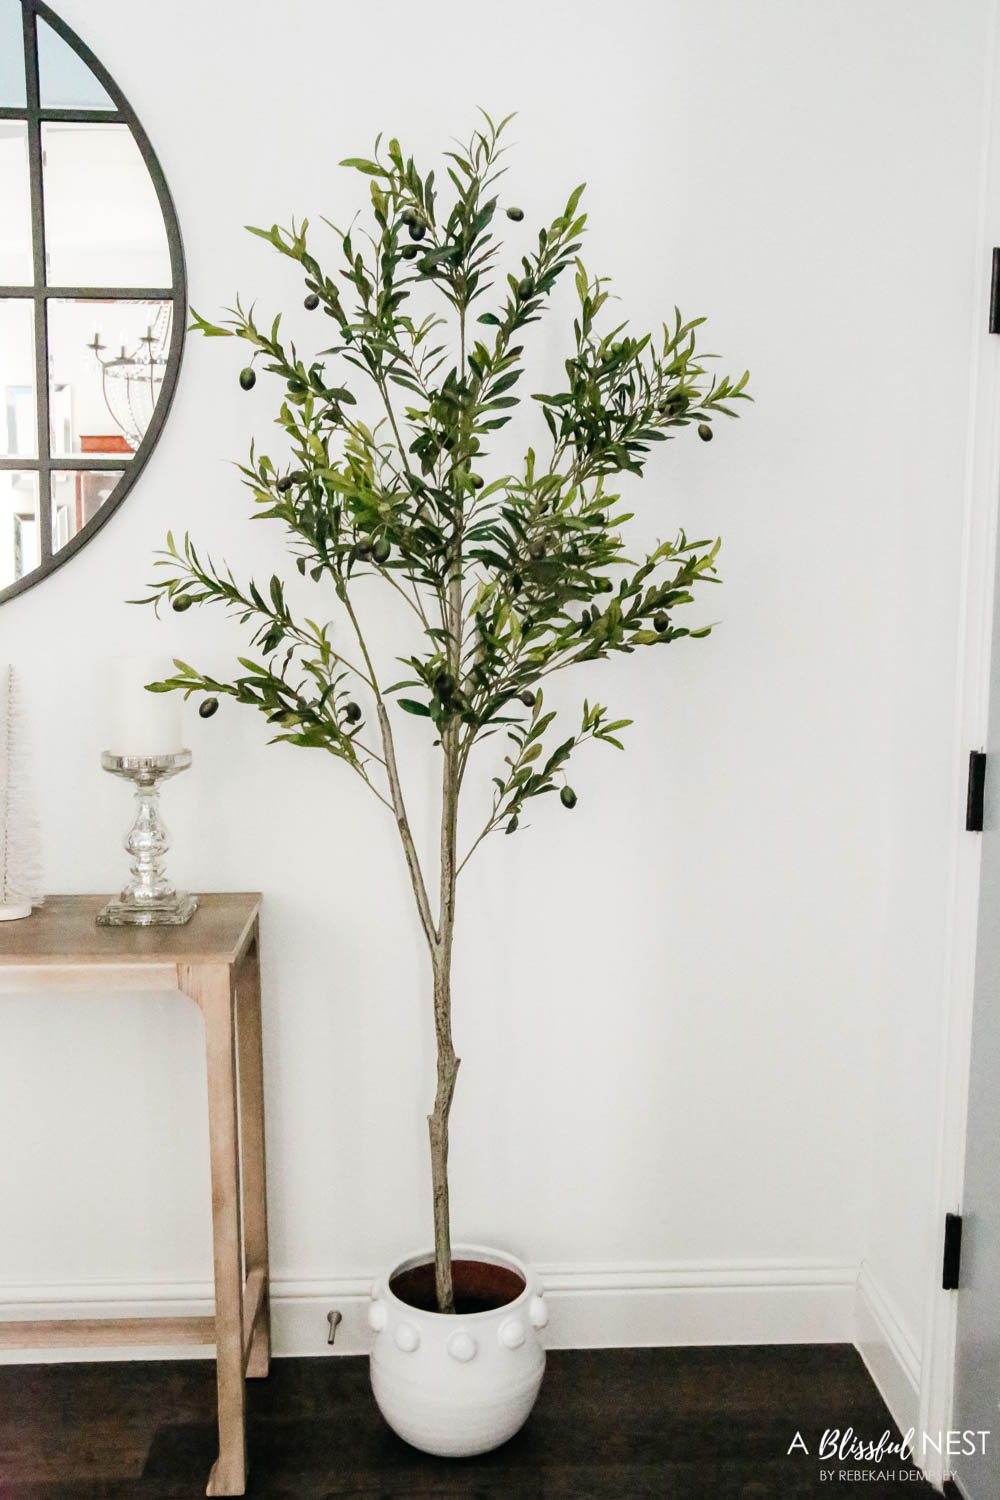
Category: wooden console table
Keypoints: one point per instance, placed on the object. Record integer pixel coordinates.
(214, 959)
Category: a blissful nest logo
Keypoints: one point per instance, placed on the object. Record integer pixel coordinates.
(846, 1456)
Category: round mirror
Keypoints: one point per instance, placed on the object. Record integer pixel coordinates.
(92, 300)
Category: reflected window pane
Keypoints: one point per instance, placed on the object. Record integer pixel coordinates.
(18, 434)
(77, 496)
(15, 196)
(107, 361)
(12, 95)
(19, 548)
(64, 80)
(103, 225)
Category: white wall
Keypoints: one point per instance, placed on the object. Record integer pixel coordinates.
(678, 1065)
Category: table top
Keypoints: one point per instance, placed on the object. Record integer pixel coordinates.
(64, 931)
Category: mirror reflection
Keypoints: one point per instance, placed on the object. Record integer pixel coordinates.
(19, 546)
(103, 225)
(107, 361)
(12, 90)
(77, 496)
(18, 431)
(64, 80)
(15, 198)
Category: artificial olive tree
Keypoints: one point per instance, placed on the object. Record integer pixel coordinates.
(510, 576)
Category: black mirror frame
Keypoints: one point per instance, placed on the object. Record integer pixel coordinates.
(40, 292)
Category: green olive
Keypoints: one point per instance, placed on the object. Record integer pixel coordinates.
(365, 545)
(604, 585)
(207, 707)
(525, 287)
(517, 214)
(661, 623)
(248, 378)
(567, 797)
(311, 302)
(705, 432)
(296, 387)
(477, 481)
(181, 603)
(381, 550)
(527, 698)
(417, 230)
(410, 252)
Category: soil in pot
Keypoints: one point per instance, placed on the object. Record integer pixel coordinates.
(478, 1286)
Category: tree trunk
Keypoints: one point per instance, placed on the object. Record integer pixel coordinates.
(447, 1062)
(437, 1123)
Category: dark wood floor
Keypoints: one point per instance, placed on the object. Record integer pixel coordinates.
(611, 1424)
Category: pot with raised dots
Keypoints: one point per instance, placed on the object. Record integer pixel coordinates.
(459, 1383)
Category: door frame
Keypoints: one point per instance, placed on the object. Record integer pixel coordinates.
(978, 597)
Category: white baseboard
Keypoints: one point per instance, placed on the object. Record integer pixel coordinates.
(591, 1307)
(889, 1349)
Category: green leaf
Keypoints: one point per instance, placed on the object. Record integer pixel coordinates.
(412, 707)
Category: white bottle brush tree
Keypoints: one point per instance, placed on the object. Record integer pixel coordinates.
(20, 842)
(510, 577)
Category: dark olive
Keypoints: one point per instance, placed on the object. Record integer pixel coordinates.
(181, 603)
(527, 698)
(417, 231)
(365, 545)
(705, 432)
(352, 712)
(410, 252)
(207, 707)
(296, 387)
(298, 476)
(408, 216)
(537, 548)
(285, 483)
(517, 214)
(567, 797)
(525, 287)
(477, 481)
(516, 582)
(248, 378)
(598, 520)
(381, 549)
(661, 623)
(311, 302)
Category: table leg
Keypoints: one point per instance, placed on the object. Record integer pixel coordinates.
(212, 989)
(253, 1157)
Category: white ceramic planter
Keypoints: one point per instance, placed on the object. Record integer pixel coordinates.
(462, 1383)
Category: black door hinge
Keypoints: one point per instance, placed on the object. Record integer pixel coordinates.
(995, 293)
(977, 788)
(952, 1252)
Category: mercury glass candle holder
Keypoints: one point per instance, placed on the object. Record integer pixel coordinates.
(149, 899)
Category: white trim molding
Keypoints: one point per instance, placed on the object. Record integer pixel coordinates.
(890, 1350)
(592, 1307)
